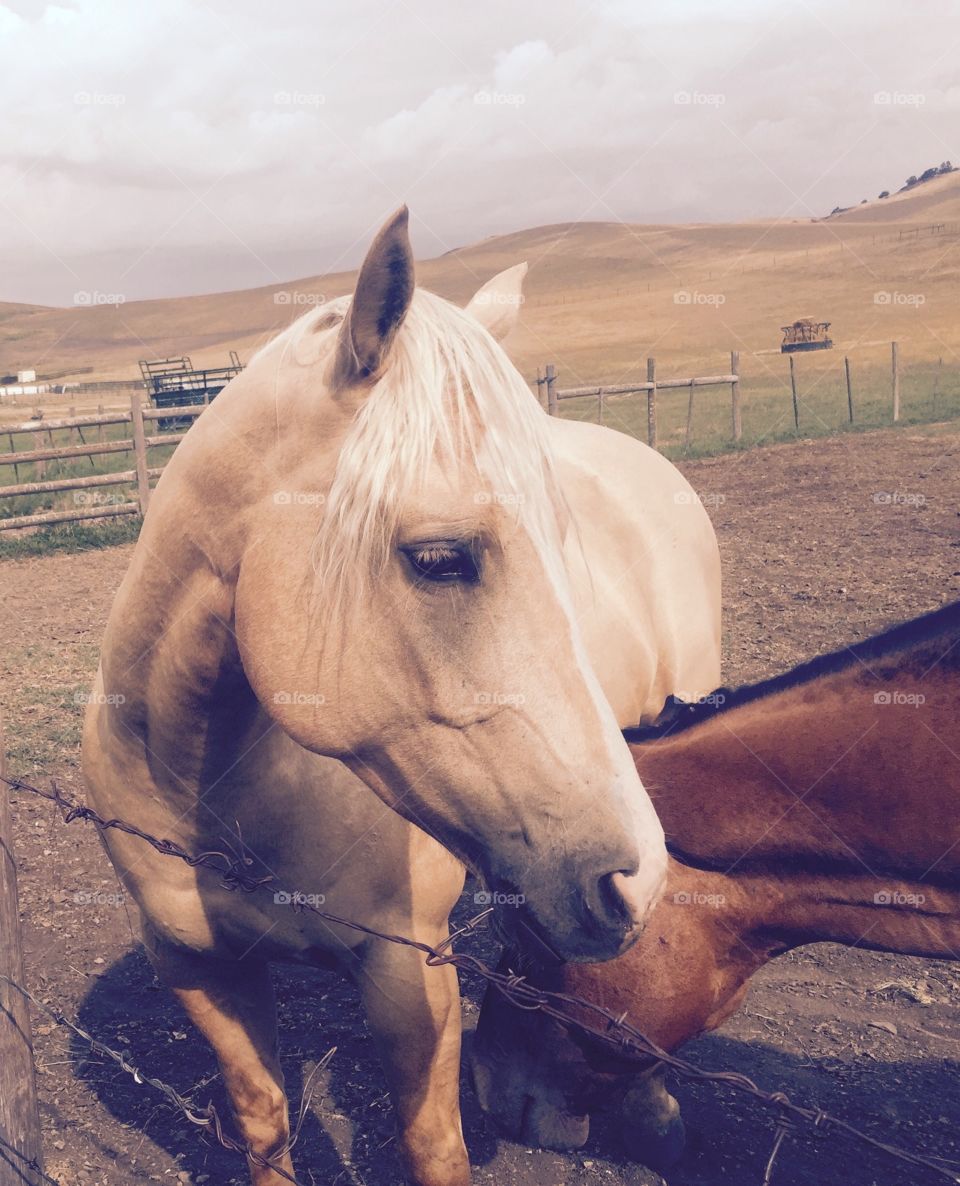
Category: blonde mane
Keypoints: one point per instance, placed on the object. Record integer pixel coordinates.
(450, 393)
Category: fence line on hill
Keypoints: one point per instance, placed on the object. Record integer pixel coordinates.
(554, 394)
(88, 439)
(233, 868)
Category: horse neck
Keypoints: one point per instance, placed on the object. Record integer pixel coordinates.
(170, 650)
(832, 813)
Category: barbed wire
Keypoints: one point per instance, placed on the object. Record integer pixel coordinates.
(612, 1030)
(207, 1118)
(27, 1164)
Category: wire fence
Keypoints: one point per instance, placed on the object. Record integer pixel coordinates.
(233, 865)
(772, 397)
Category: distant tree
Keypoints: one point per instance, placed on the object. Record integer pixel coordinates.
(928, 173)
(836, 210)
(863, 201)
(911, 180)
(946, 167)
(884, 193)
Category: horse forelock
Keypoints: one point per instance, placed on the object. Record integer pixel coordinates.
(451, 395)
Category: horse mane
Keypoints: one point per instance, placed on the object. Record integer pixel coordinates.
(449, 393)
(916, 635)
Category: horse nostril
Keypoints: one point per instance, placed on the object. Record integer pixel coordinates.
(614, 899)
(628, 898)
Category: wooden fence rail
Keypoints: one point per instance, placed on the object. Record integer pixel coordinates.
(139, 443)
(653, 384)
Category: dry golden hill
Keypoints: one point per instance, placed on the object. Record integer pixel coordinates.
(601, 297)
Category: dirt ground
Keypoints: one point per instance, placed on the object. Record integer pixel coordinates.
(822, 543)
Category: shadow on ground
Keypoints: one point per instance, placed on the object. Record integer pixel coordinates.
(347, 1134)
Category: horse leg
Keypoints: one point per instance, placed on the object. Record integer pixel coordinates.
(652, 1128)
(231, 1003)
(414, 1013)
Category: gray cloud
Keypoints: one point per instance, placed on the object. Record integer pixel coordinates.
(184, 147)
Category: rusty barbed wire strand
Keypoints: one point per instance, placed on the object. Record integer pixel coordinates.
(613, 1030)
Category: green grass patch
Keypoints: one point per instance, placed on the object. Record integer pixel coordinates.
(928, 394)
(69, 537)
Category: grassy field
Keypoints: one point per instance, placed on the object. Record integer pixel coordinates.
(929, 392)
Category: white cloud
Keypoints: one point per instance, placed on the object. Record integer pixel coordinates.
(183, 146)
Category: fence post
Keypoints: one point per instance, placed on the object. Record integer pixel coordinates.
(652, 403)
(793, 388)
(686, 443)
(936, 385)
(539, 388)
(735, 394)
(895, 366)
(846, 367)
(551, 378)
(16, 468)
(140, 449)
(19, 1118)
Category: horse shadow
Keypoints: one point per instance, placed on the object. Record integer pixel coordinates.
(347, 1133)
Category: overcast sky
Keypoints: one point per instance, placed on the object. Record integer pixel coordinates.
(169, 146)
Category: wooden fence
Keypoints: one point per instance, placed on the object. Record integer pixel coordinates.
(138, 443)
(553, 395)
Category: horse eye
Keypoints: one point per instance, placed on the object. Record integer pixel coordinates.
(443, 564)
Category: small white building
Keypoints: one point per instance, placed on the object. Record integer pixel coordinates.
(26, 376)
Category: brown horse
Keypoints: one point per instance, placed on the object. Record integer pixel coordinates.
(823, 805)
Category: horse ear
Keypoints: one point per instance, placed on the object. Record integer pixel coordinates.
(497, 304)
(380, 303)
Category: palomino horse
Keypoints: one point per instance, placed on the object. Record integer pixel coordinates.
(376, 556)
(817, 806)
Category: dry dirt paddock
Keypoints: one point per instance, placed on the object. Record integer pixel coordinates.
(812, 559)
